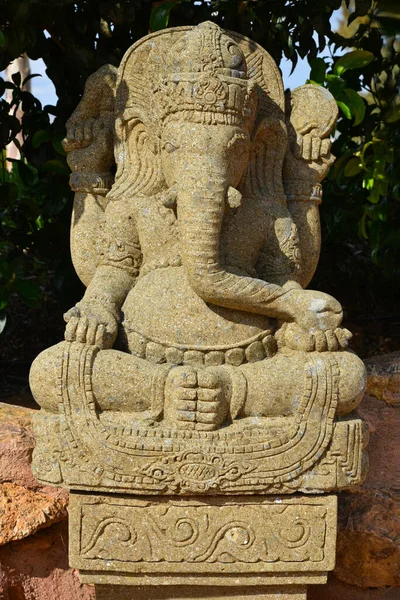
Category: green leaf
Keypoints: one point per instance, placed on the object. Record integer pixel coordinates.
(27, 173)
(344, 108)
(318, 70)
(356, 105)
(29, 292)
(41, 136)
(55, 166)
(353, 167)
(374, 195)
(8, 192)
(39, 222)
(392, 114)
(31, 76)
(159, 17)
(16, 77)
(335, 85)
(353, 60)
(57, 144)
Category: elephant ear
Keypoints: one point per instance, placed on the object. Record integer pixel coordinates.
(263, 177)
(136, 131)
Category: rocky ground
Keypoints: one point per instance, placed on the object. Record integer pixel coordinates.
(33, 518)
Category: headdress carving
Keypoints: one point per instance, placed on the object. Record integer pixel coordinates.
(205, 79)
(201, 74)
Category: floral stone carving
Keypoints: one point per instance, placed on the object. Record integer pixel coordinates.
(197, 362)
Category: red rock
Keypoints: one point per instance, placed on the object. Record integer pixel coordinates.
(384, 444)
(384, 377)
(36, 568)
(368, 548)
(368, 545)
(16, 445)
(23, 511)
(336, 590)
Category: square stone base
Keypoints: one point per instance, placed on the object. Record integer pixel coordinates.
(233, 547)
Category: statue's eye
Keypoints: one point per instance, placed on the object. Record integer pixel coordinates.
(169, 147)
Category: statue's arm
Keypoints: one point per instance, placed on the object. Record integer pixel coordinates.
(95, 318)
(90, 146)
(303, 201)
(311, 114)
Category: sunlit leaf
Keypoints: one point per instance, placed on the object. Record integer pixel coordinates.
(356, 105)
(355, 59)
(344, 108)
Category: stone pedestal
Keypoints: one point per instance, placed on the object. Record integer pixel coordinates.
(208, 547)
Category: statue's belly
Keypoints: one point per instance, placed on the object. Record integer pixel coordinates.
(162, 314)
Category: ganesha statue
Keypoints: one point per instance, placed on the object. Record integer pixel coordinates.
(197, 361)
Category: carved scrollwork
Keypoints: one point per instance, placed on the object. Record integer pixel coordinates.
(290, 533)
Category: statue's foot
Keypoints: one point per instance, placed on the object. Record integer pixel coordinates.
(195, 398)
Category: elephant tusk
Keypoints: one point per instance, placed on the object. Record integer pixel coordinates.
(234, 197)
(169, 197)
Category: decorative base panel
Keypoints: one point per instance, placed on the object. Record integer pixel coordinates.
(214, 541)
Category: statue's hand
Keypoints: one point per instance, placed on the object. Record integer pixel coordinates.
(96, 133)
(308, 158)
(314, 311)
(315, 320)
(295, 337)
(91, 324)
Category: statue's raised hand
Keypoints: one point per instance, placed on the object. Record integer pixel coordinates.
(92, 324)
(311, 115)
(90, 130)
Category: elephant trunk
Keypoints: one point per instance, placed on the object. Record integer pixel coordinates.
(201, 207)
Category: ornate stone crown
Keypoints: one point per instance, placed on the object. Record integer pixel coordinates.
(206, 79)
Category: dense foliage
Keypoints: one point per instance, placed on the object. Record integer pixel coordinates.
(361, 213)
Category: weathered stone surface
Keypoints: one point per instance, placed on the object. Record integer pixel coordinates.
(383, 381)
(195, 539)
(23, 512)
(196, 363)
(36, 568)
